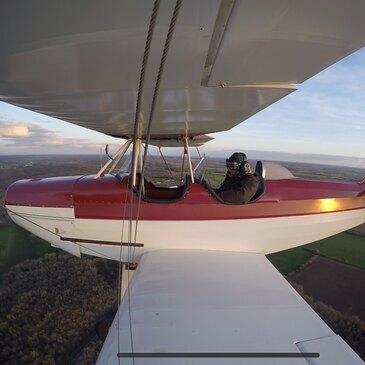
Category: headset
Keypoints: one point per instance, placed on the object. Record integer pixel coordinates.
(241, 166)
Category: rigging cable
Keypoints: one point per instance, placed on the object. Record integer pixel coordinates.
(154, 99)
(167, 166)
(97, 253)
(120, 267)
(197, 148)
(182, 167)
(151, 29)
(136, 127)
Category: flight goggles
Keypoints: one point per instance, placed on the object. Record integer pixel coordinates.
(232, 165)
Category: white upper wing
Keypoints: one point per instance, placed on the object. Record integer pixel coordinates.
(192, 301)
(80, 61)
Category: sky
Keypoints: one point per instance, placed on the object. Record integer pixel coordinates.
(323, 119)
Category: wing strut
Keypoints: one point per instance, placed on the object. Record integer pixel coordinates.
(136, 150)
(189, 159)
(137, 156)
(116, 158)
(146, 53)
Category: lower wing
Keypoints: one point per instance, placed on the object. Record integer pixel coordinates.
(210, 307)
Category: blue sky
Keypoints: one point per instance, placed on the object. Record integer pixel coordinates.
(325, 116)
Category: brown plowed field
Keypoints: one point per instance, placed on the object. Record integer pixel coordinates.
(359, 230)
(339, 285)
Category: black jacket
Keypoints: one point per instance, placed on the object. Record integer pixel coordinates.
(238, 189)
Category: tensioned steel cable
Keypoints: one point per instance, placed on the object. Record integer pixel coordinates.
(154, 99)
(97, 253)
(151, 29)
(146, 54)
(120, 266)
(197, 149)
(167, 166)
(182, 166)
(139, 100)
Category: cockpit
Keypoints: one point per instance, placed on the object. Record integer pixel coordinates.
(169, 182)
(165, 190)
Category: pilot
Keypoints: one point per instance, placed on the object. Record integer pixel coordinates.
(240, 185)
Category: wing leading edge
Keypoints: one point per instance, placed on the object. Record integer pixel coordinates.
(192, 301)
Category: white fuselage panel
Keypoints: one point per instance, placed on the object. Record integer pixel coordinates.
(103, 237)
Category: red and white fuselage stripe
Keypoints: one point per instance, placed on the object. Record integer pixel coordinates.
(84, 215)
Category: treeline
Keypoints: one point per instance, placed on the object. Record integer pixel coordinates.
(49, 305)
(350, 328)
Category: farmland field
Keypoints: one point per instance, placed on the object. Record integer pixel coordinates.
(344, 247)
(341, 285)
(320, 279)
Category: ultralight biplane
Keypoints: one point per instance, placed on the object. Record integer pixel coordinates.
(166, 73)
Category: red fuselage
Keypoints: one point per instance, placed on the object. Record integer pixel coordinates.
(105, 198)
(88, 215)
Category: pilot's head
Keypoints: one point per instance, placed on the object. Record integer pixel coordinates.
(237, 163)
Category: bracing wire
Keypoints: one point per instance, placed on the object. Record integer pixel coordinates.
(200, 156)
(167, 165)
(151, 29)
(146, 54)
(148, 135)
(154, 99)
(182, 166)
(120, 268)
(97, 253)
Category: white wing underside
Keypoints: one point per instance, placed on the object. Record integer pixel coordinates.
(80, 62)
(192, 301)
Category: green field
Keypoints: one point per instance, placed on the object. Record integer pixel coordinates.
(289, 260)
(16, 245)
(343, 247)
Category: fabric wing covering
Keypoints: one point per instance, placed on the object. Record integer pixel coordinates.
(80, 62)
(193, 301)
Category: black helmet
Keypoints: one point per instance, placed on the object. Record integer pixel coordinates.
(236, 160)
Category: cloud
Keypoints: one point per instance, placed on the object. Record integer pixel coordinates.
(27, 135)
(13, 129)
(40, 140)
